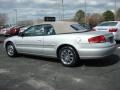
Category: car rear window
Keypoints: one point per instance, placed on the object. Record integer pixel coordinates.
(108, 24)
(77, 27)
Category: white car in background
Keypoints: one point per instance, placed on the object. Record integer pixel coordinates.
(64, 40)
(4, 31)
(110, 26)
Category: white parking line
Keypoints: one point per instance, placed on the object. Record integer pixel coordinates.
(4, 71)
(39, 84)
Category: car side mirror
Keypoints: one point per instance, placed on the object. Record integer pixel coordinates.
(21, 34)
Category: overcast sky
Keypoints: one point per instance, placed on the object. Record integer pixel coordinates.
(32, 9)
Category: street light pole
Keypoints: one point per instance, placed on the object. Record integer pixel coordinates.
(85, 11)
(16, 16)
(62, 10)
(115, 9)
(59, 10)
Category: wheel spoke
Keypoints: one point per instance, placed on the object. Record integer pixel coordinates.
(10, 50)
(67, 56)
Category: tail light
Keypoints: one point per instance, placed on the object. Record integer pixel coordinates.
(97, 39)
(113, 30)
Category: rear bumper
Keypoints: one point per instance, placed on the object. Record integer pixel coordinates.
(95, 53)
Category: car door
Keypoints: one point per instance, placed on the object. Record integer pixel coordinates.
(32, 40)
(49, 41)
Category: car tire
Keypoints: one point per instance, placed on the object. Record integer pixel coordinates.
(68, 56)
(10, 49)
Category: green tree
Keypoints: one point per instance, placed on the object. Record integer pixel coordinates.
(80, 16)
(108, 16)
(118, 14)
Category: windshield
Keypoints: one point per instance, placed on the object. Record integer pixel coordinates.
(108, 24)
(78, 27)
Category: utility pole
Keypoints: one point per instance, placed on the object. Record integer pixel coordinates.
(16, 16)
(85, 11)
(59, 10)
(62, 10)
(115, 9)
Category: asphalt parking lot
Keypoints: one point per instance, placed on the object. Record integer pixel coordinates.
(39, 73)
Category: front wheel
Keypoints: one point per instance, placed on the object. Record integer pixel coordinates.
(10, 49)
(68, 56)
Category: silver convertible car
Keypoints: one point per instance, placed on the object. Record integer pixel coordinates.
(67, 41)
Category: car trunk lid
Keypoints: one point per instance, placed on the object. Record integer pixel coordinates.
(97, 35)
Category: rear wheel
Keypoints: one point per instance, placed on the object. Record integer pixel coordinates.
(68, 56)
(10, 49)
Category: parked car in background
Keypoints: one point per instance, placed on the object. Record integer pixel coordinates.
(110, 26)
(13, 31)
(2, 26)
(63, 40)
(4, 31)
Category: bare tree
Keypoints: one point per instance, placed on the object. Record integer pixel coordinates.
(25, 23)
(3, 19)
(95, 18)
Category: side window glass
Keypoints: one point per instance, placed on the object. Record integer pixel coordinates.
(39, 31)
(34, 31)
(49, 30)
(29, 31)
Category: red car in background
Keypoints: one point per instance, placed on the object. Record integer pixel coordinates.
(13, 31)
